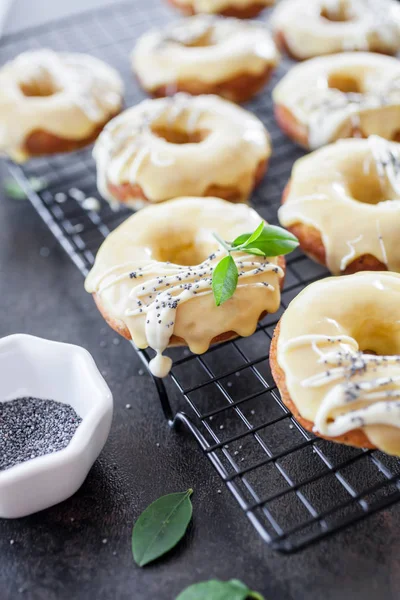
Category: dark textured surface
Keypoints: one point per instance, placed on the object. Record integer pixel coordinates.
(55, 557)
(60, 553)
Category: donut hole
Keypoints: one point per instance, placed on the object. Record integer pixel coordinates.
(368, 189)
(174, 135)
(344, 83)
(377, 338)
(185, 252)
(337, 14)
(38, 88)
(202, 41)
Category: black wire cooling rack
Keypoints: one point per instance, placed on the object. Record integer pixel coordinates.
(295, 489)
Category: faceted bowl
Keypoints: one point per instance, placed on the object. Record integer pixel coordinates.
(34, 367)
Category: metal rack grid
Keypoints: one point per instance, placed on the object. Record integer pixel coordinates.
(295, 489)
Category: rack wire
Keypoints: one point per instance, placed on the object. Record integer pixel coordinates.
(294, 488)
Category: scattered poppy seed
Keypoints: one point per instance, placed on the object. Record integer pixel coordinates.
(44, 252)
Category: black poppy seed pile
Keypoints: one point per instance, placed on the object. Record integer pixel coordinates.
(31, 427)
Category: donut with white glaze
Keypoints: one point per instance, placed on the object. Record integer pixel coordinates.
(335, 358)
(343, 203)
(353, 94)
(206, 54)
(241, 9)
(308, 28)
(152, 277)
(179, 146)
(55, 102)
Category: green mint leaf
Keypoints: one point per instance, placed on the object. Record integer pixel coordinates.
(161, 526)
(224, 280)
(251, 237)
(12, 188)
(272, 241)
(218, 590)
(256, 251)
(240, 240)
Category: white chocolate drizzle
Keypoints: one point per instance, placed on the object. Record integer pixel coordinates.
(376, 394)
(351, 25)
(129, 152)
(338, 347)
(203, 49)
(168, 286)
(216, 6)
(329, 113)
(84, 92)
(327, 192)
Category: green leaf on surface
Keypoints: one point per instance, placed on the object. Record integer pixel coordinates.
(161, 526)
(224, 280)
(13, 189)
(218, 590)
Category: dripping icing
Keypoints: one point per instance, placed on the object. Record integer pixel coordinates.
(169, 286)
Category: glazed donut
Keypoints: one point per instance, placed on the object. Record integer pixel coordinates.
(307, 28)
(52, 102)
(335, 358)
(344, 95)
(241, 9)
(170, 147)
(152, 277)
(343, 204)
(206, 54)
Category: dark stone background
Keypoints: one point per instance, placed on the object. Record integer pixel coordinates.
(60, 554)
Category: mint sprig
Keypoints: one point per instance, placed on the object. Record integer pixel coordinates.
(266, 240)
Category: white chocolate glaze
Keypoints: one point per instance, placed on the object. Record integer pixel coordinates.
(203, 48)
(326, 338)
(85, 92)
(368, 25)
(350, 192)
(139, 281)
(329, 113)
(217, 6)
(128, 150)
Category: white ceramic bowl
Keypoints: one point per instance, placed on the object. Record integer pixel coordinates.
(31, 366)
